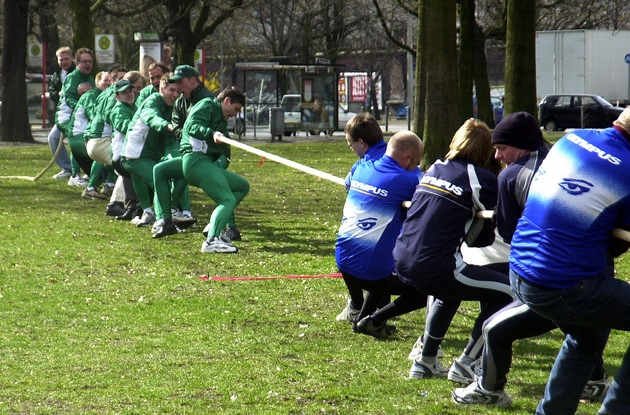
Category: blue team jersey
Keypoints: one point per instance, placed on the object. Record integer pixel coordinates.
(442, 215)
(579, 194)
(372, 217)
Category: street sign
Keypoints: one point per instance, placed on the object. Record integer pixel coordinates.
(627, 58)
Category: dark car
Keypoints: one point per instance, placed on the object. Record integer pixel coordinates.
(558, 112)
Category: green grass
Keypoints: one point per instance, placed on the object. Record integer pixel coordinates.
(98, 318)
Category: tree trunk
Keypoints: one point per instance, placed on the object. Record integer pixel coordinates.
(482, 85)
(520, 58)
(419, 99)
(83, 35)
(14, 111)
(441, 116)
(466, 57)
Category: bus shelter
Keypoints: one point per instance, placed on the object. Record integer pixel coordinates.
(290, 97)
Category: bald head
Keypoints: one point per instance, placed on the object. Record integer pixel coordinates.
(84, 87)
(624, 120)
(406, 148)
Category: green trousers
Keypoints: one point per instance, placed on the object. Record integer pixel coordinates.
(225, 188)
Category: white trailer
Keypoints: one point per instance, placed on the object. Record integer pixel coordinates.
(584, 61)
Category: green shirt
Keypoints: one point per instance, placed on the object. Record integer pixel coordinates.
(148, 131)
(204, 118)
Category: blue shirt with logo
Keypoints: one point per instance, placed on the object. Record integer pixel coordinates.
(372, 217)
(579, 194)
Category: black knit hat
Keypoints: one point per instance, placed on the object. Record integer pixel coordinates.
(520, 130)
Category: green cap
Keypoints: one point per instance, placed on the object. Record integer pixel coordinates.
(122, 85)
(183, 71)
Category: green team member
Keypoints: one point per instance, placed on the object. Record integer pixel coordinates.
(69, 95)
(156, 71)
(98, 135)
(120, 119)
(145, 144)
(69, 92)
(201, 147)
(83, 112)
(179, 215)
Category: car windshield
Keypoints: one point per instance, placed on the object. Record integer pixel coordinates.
(602, 101)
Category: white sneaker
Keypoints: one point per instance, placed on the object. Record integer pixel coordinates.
(464, 373)
(147, 219)
(476, 394)
(78, 181)
(596, 390)
(348, 314)
(218, 245)
(416, 350)
(63, 174)
(421, 370)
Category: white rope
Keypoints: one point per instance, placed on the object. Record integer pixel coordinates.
(484, 214)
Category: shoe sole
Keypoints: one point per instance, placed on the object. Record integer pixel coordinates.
(157, 235)
(217, 251)
(488, 401)
(184, 224)
(230, 250)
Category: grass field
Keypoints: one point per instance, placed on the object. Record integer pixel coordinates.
(98, 318)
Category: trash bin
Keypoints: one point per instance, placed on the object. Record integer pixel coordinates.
(276, 122)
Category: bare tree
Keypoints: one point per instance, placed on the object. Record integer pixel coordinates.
(15, 125)
(189, 22)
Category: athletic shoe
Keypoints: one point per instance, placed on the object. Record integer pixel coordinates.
(464, 372)
(206, 230)
(596, 390)
(476, 394)
(92, 194)
(63, 174)
(78, 181)
(130, 213)
(107, 190)
(421, 370)
(183, 220)
(366, 326)
(147, 219)
(232, 233)
(348, 314)
(164, 228)
(416, 350)
(115, 209)
(218, 245)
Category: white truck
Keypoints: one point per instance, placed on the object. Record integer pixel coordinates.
(584, 62)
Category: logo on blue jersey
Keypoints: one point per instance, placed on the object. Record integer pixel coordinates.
(368, 188)
(366, 224)
(593, 149)
(575, 187)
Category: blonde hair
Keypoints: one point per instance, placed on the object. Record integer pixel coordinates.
(98, 76)
(473, 142)
(62, 50)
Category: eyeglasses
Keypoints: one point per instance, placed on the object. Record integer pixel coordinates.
(352, 143)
